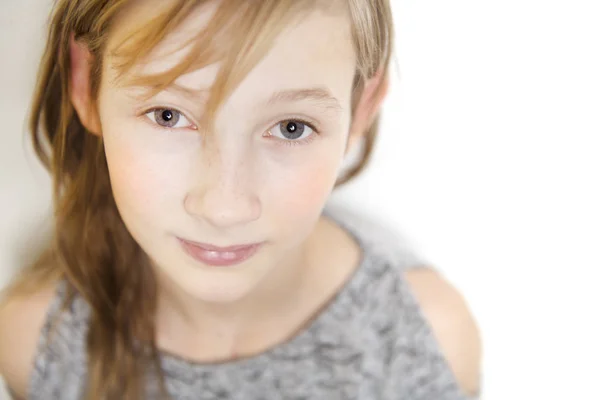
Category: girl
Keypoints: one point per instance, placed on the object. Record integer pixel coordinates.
(193, 147)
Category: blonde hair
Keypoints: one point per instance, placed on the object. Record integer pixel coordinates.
(92, 248)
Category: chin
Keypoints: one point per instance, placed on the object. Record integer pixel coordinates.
(216, 285)
(218, 292)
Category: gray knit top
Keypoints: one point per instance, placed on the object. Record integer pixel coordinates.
(371, 342)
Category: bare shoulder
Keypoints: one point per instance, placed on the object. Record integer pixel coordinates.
(452, 323)
(21, 321)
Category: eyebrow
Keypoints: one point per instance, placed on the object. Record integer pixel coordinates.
(188, 92)
(142, 92)
(318, 95)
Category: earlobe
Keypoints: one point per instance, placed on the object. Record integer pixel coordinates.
(80, 86)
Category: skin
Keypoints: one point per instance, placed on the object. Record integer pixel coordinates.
(242, 183)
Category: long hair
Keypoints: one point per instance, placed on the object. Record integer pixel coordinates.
(91, 246)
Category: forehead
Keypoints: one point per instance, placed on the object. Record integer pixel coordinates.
(315, 49)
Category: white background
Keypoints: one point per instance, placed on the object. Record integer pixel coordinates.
(488, 162)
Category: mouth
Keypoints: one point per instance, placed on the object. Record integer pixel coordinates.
(219, 256)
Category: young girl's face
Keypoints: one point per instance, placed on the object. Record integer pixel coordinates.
(261, 177)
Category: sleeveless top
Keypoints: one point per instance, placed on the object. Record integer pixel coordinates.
(371, 342)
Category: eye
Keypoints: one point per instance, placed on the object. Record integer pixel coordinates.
(168, 118)
(292, 130)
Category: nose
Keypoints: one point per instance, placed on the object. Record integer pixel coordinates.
(225, 197)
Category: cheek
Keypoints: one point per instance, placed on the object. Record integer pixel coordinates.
(309, 186)
(144, 180)
(300, 190)
(134, 182)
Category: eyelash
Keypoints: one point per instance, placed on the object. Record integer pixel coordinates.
(162, 128)
(282, 142)
(300, 142)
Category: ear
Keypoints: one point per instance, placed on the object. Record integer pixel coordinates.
(374, 92)
(81, 89)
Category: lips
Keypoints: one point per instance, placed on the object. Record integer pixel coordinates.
(219, 256)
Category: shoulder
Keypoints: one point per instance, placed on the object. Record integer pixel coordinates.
(452, 323)
(21, 320)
